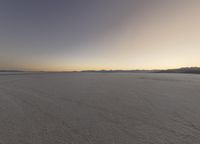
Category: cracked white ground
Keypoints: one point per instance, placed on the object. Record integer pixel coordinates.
(97, 108)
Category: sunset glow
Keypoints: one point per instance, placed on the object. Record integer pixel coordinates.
(112, 34)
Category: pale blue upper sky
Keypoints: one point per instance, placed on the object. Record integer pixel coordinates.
(99, 34)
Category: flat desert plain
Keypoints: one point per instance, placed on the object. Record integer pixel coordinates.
(99, 108)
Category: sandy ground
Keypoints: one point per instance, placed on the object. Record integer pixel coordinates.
(86, 108)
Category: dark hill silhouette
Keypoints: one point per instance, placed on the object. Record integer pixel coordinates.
(11, 71)
(193, 70)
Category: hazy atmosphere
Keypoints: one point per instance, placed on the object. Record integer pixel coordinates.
(99, 34)
(99, 71)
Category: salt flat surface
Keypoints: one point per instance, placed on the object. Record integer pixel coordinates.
(97, 108)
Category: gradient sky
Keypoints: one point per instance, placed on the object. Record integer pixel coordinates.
(99, 34)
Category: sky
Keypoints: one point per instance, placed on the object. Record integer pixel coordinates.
(61, 35)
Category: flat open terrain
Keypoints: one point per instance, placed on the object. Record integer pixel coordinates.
(97, 108)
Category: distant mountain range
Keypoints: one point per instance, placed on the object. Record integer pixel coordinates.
(192, 70)
(117, 71)
(11, 71)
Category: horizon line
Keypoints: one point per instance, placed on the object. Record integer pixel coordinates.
(94, 70)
